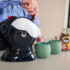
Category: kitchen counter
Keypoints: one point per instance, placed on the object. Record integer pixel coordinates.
(54, 62)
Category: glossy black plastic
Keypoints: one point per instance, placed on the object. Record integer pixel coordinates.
(3, 43)
(19, 43)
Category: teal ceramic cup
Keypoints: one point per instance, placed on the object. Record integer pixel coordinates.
(56, 46)
(43, 50)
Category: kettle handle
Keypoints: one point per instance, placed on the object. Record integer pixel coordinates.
(32, 18)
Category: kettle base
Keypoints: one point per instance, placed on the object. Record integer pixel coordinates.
(18, 56)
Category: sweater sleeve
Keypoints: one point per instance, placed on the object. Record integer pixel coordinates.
(16, 0)
(10, 0)
(36, 21)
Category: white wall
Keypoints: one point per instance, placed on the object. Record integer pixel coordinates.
(52, 14)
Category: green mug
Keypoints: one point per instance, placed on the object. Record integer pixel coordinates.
(43, 50)
(56, 46)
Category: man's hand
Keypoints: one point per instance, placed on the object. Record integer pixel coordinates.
(31, 6)
(40, 39)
